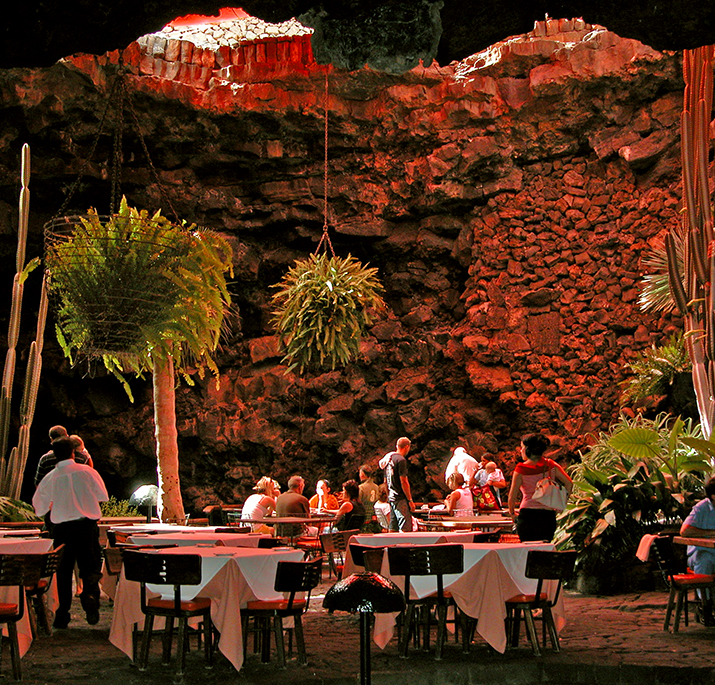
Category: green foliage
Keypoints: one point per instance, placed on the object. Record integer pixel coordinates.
(15, 511)
(639, 476)
(118, 507)
(656, 294)
(656, 369)
(134, 288)
(322, 309)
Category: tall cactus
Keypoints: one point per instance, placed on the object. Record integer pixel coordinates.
(12, 466)
(693, 289)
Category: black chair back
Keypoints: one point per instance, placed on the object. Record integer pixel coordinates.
(487, 537)
(337, 542)
(426, 560)
(550, 565)
(234, 529)
(665, 557)
(162, 569)
(367, 556)
(298, 576)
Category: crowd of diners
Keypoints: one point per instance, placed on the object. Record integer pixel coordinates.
(380, 499)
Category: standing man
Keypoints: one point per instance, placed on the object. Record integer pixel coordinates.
(399, 495)
(71, 493)
(462, 463)
(47, 461)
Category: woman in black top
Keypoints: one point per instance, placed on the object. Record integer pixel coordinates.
(351, 514)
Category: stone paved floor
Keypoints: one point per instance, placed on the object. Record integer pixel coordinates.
(608, 641)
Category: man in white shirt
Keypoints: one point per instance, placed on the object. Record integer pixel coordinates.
(462, 463)
(71, 493)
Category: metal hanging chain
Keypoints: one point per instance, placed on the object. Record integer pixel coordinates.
(119, 93)
(86, 161)
(325, 238)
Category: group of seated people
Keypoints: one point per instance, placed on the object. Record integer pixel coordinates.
(473, 485)
(358, 504)
(350, 508)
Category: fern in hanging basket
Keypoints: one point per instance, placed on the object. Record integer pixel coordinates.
(322, 309)
(133, 286)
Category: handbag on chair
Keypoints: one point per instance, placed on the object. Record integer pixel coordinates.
(484, 498)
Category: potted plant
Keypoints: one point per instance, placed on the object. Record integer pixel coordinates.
(141, 294)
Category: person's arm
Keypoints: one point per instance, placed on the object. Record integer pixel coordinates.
(344, 510)
(563, 477)
(451, 500)
(690, 531)
(269, 504)
(406, 489)
(41, 501)
(513, 492)
(497, 479)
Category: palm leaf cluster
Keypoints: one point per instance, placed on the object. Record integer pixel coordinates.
(134, 287)
(639, 476)
(656, 369)
(655, 287)
(322, 309)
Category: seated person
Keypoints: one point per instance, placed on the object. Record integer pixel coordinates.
(369, 490)
(351, 514)
(324, 499)
(292, 503)
(700, 523)
(383, 510)
(260, 505)
(459, 502)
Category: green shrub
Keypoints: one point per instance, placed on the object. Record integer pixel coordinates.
(118, 507)
(15, 511)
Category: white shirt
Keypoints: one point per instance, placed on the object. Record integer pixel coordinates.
(463, 463)
(70, 491)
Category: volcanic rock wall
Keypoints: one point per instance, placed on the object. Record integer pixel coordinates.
(507, 201)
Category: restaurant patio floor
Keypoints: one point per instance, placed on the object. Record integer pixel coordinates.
(608, 641)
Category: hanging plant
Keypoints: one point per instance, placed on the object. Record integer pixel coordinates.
(322, 309)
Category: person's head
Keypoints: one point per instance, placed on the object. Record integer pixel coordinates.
(63, 448)
(322, 487)
(382, 494)
(490, 467)
(276, 488)
(365, 473)
(710, 489)
(533, 445)
(296, 484)
(455, 481)
(57, 432)
(485, 459)
(78, 443)
(351, 489)
(403, 446)
(264, 486)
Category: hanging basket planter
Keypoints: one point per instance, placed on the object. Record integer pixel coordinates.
(322, 309)
(120, 282)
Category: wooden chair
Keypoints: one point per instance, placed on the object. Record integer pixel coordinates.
(169, 569)
(679, 583)
(36, 592)
(334, 545)
(426, 560)
(541, 565)
(18, 570)
(291, 577)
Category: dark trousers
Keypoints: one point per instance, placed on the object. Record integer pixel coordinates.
(533, 525)
(81, 541)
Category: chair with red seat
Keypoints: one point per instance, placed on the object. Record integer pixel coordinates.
(17, 570)
(426, 560)
(540, 565)
(35, 592)
(155, 568)
(291, 577)
(678, 582)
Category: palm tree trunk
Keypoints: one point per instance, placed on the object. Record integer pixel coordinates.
(170, 505)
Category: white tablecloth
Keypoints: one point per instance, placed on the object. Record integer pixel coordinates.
(413, 538)
(230, 578)
(492, 574)
(186, 538)
(12, 545)
(163, 528)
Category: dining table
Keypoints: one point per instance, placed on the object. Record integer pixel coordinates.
(24, 545)
(199, 537)
(492, 574)
(230, 577)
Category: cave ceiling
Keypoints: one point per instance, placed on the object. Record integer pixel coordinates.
(36, 33)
